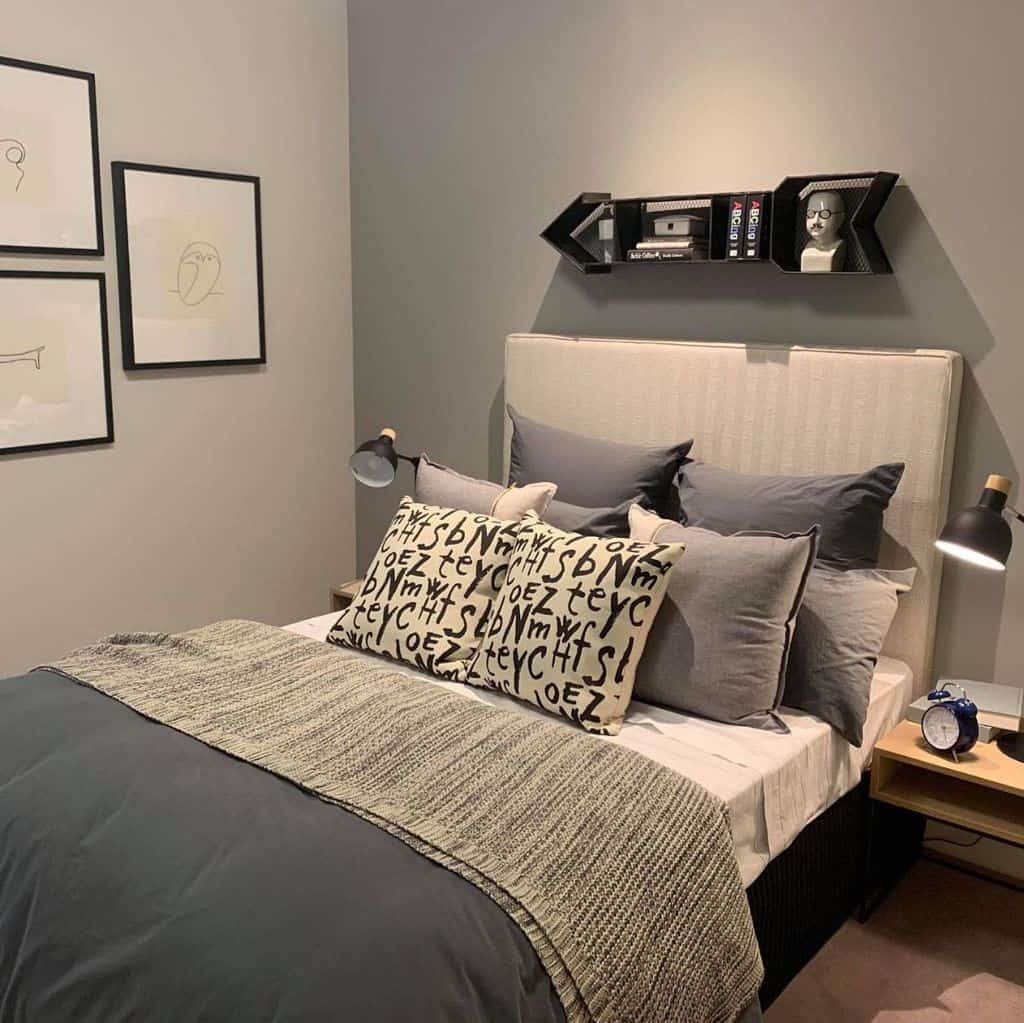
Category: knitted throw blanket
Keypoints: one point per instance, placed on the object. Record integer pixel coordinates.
(620, 872)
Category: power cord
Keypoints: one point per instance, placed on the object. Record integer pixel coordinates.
(952, 841)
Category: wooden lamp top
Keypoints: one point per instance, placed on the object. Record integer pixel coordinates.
(1001, 483)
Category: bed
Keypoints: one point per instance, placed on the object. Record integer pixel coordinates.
(144, 874)
(774, 785)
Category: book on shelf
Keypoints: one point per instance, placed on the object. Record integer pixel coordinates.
(734, 229)
(667, 243)
(753, 234)
(1000, 707)
(666, 255)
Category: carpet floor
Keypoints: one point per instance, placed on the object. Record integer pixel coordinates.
(945, 947)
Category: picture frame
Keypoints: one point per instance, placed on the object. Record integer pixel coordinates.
(189, 267)
(54, 361)
(50, 200)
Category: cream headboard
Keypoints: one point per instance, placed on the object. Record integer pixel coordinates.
(771, 409)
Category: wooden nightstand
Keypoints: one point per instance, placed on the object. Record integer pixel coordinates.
(983, 793)
(343, 595)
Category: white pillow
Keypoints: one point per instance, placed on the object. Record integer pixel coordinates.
(439, 485)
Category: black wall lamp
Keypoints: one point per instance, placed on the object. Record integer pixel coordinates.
(982, 536)
(375, 463)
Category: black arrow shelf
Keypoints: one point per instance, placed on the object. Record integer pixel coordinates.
(574, 233)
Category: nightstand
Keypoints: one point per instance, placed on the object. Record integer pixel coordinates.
(983, 793)
(343, 595)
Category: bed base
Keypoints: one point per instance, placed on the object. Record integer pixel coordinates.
(831, 870)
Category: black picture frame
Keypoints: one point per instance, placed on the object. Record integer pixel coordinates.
(129, 360)
(58, 250)
(101, 287)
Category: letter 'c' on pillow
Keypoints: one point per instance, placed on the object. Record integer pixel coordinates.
(592, 473)
(570, 624)
(443, 487)
(428, 592)
(720, 643)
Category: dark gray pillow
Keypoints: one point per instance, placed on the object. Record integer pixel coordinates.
(840, 631)
(720, 641)
(589, 521)
(848, 509)
(592, 473)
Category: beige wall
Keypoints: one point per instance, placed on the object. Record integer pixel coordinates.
(225, 493)
(475, 121)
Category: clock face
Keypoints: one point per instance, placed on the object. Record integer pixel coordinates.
(940, 727)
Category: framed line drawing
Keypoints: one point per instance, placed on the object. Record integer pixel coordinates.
(189, 267)
(54, 361)
(49, 161)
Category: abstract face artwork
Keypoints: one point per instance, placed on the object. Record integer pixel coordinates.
(198, 273)
(190, 267)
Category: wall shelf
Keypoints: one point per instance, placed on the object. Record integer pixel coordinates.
(574, 233)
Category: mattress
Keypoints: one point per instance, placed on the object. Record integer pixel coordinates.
(774, 784)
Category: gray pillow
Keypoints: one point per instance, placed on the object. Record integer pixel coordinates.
(848, 509)
(719, 644)
(445, 488)
(840, 631)
(590, 521)
(593, 473)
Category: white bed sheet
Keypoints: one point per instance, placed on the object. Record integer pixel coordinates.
(773, 784)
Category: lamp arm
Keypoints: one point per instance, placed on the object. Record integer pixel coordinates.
(413, 460)
(1019, 516)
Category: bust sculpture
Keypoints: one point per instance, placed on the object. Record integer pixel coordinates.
(825, 251)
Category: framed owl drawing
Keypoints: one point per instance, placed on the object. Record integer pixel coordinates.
(189, 267)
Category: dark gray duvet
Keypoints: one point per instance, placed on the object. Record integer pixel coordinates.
(223, 892)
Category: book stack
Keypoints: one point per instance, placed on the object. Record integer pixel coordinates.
(676, 237)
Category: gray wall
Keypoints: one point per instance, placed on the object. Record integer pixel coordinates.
(473, 123)
(225, 493)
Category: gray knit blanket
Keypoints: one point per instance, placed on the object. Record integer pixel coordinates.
(620, 872)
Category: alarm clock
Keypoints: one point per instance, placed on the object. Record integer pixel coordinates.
(950, 725)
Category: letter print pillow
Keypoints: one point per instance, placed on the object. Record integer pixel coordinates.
(428, 592)
(569, 626)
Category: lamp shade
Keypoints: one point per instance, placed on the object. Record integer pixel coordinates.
(375, 463)
(981, 535)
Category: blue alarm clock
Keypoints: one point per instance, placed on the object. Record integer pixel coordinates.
(950, 724)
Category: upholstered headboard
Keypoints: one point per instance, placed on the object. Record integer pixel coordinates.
(771, 409)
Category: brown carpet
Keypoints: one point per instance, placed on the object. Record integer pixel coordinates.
(944, 948)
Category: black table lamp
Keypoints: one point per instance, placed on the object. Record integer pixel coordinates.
(981, 536)
(375, 463)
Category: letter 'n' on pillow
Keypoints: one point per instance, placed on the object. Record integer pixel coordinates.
(571, 621)
(427, 594)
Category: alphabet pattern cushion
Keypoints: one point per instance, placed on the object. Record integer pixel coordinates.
(428, 592)
(571, 621)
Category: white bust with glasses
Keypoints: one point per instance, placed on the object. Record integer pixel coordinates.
(825, 251)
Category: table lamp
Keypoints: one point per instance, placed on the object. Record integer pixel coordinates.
(375, 462)
(982, 536)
